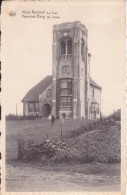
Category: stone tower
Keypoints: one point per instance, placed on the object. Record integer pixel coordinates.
(70, 70)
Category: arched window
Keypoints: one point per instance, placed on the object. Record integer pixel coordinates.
(69, 47)
(63, 47)
(66, 46)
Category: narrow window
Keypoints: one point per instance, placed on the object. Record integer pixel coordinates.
(92, 91)
(63, 47)
(82, 49)
(69, 100)
(69, 47)
(69, 84)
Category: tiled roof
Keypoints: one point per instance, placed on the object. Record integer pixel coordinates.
(33, 94)
(94, 84)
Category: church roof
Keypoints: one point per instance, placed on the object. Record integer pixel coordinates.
(94, 84)
(33, 94)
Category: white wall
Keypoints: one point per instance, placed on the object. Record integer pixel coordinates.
(97, 99)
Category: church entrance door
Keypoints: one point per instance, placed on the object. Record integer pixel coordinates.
(46, 110)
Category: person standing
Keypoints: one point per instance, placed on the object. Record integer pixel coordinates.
(52, 120)
(62, 119)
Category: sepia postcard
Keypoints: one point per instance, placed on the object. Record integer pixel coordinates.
(63, 97)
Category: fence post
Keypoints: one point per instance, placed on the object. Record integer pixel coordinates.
(86, 152)
(61, 135)
(20, 149)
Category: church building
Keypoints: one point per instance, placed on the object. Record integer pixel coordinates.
(70, 90)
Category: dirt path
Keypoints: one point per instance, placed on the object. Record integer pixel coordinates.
(59, 178)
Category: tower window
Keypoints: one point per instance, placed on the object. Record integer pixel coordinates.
(66, 46)
(65, 69)
(69, 84)
(65, 101)
(63, 47)
(69, 47)
(65, 83)
(65, 92)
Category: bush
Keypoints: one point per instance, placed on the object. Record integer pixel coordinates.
(15, 117)
(94, 125)
(96, 146)
(46, 150)
(10, 117)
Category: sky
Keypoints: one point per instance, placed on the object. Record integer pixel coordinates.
(27, 48)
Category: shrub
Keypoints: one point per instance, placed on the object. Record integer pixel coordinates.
(10, 117)
(46, 150)
(15, 117)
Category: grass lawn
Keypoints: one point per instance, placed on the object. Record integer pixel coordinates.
(33, 176)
